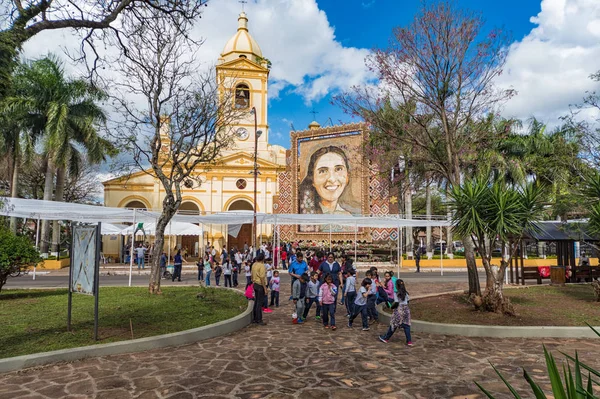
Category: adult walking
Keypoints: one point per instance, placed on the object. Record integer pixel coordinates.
(177, 264)
(259, 281)
(418, 260)
(141, 256)
(333, 268)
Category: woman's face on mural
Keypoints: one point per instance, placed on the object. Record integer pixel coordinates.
(330, 176)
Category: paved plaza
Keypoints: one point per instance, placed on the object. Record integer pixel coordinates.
(282, 360)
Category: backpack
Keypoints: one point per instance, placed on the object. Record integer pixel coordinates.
(249, 292)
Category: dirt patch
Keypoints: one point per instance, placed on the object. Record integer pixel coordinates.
(572, 305)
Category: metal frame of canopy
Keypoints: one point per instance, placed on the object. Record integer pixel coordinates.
(51, 210)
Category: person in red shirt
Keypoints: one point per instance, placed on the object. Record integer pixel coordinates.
(315, 262)
(283, 257)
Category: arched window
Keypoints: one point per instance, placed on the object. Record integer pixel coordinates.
(242, 96)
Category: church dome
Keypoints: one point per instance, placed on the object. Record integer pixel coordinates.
(241, 44)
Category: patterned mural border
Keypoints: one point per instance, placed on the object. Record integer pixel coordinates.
(319, 133)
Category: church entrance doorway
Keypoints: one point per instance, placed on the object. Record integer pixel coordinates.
(189, 244)
(245, 234)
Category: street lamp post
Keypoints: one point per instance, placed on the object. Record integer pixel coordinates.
(257, 134)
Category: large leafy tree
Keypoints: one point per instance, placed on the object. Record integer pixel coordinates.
(440, 69)
(20, 20)
(553, 158)
(66, 114)
(496, 212)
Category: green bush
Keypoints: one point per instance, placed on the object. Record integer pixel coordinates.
(16, 254)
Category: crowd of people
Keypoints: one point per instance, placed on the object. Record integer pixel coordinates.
(319, 282)
(323, 281)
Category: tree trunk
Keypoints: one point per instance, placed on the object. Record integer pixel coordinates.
(428, 212)
(409, 230)
(58, 196)
(474, 286)
(159, 242)
(494, 299)
(48, 188)
(14, 187)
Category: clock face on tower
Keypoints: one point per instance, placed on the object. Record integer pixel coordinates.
(241, 133)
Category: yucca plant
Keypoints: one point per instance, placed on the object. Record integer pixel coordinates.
(571, 386)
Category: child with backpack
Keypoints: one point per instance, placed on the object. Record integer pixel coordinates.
(350, 291)
(400, 316)
(385, 290)
(372, 312)
(360, 304)
(299, 296)
(312, 295)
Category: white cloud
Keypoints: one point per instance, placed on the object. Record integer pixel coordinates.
(294, 34)
(550, 67)
(298, 39)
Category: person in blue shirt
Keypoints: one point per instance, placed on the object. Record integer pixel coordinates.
(330, 266)
(178, 263)
(297, 268)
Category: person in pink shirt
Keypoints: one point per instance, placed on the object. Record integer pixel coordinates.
(388, 287)
(327, 295)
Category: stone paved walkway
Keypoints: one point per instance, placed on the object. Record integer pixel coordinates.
(282, 360)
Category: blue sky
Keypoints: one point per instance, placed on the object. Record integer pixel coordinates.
(318, 47)
(368, 24)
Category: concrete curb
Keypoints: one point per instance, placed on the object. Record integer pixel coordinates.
(470, 330)
(137, 345)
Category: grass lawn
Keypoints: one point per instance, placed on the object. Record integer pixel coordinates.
(34, 321)
(571, 305)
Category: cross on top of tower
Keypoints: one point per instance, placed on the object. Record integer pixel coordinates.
(314, 114)
(242, 2)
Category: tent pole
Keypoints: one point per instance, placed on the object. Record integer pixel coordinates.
(131, 249)
(442, 253)
(278, 245)
(398, 253)
(169, 255)
(274, 228)
(330, 237)
(399, 248)
(201, 246)
(37, 242)
(355, 241)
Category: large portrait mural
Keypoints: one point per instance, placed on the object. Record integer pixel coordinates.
(331, 176)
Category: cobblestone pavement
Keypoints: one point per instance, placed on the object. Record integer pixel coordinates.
(282, 360)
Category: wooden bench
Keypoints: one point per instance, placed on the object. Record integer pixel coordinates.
(531, 273)
(586, 273)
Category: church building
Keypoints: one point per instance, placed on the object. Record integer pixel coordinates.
(229, 184)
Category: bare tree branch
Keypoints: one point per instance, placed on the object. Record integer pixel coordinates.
(180, 122)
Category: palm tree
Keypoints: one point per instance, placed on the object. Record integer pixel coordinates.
(67, 111)
(17, 141)
(488, 211)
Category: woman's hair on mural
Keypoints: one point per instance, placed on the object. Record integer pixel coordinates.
(307, 194)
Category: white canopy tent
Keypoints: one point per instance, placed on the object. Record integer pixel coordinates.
(173, 229)
(51, 210)
(112, 229)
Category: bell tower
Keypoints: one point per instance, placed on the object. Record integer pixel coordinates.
(243, 71)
